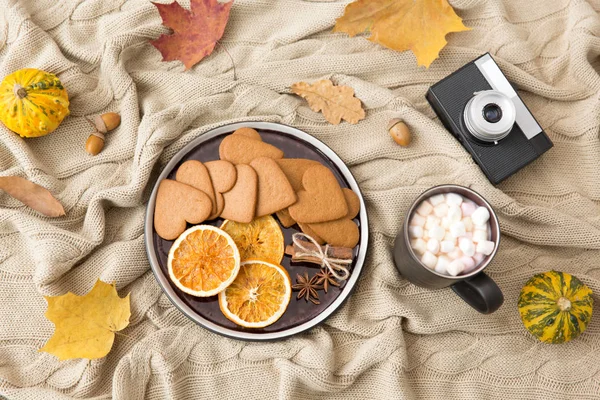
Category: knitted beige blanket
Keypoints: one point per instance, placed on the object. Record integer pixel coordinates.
(391, 339)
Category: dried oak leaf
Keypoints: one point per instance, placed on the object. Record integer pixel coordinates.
(195, 32)
(336, 102)
(85, 326)
(32, 195)
(417, 25)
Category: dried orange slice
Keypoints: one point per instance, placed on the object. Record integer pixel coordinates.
(261, 239)
(203, 261)
(259, 295)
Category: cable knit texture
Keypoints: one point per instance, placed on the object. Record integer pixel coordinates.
(391, 339)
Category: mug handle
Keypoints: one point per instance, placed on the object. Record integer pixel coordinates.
(480, 292)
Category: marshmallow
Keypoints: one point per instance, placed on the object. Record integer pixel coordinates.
(486, 247)
(445, 223)
(432, 221)
(455, 267)
(454, 213)
(441, 210)
(457, 229)
(447, 246)
(468, 223)
(480, 216)
(469, 235)
(417, 220)
(466, 246)
(469, 263)
(437, 232)
(478, 258)
(429, 260)
(425, 208)
(419, 246)
(433, 246)
(415, 232)
(454, 199)
(442, 265)
(455, 254)
(448, 236)
(483, 227)
(437, 199)
(480, 236)
(468, 208)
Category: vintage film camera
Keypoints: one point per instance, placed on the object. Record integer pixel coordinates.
(479, 106)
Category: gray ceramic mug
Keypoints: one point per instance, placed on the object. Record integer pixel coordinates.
(475, 288)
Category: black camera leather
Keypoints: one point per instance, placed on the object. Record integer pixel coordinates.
(449, 97)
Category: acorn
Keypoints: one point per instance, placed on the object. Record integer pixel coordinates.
(103, 124)
(399, 132)
(95, 143)
(107, 122)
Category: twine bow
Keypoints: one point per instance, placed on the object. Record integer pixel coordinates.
(334, 265)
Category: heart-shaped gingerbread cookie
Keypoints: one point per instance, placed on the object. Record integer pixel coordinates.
(339, 233)
(176, 204)
(294, 169)
(195, 174)
(353, 202)
(240, 201)
(285, 218)
(240, 149)
(223, 176)
(342, 232)
(274, 190)
(307, 230)
(321, 200)
(249, 133)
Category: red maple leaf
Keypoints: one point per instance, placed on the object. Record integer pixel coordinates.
(195, 32)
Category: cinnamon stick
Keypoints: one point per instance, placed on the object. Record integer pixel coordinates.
(343, 253)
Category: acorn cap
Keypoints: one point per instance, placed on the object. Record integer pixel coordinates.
(393, 122)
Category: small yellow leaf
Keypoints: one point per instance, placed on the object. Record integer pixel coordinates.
(417, 25)
(336, 102)
(85, 326)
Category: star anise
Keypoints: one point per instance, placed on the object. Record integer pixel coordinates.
(307, 288)
(325, 278)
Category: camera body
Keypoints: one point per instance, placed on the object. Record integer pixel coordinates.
(479, 106)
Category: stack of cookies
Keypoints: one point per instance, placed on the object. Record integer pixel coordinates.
(252, 179)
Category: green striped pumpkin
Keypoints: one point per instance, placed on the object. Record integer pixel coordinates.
(555, 307)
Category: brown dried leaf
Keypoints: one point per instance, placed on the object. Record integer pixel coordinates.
(32, 195)
(336, 102)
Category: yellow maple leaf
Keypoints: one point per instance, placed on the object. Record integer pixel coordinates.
(85, 326)
(417, 25)
(336, 102)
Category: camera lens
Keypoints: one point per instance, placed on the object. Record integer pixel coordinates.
(489, 116)
(492, 113)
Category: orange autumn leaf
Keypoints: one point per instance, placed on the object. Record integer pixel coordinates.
(195, 32)
(335, 102)
(417, 25)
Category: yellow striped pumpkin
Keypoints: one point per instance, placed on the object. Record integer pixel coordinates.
(555, 307)
(32, 102)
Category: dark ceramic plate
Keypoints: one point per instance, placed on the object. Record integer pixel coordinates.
(300, 315)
